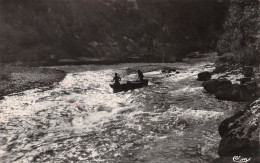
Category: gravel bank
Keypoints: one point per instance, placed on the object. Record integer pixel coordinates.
(17, 79)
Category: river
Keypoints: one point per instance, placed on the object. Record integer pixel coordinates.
(81, 120)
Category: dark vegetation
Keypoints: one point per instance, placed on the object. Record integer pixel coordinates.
(241, 28)
(240, 39)
(148, 30)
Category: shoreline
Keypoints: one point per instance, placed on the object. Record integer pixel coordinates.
(16, 79)
(21, 78)
(192, 121)
(240, 133)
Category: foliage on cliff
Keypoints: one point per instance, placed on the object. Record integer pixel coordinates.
(241, 30)
(35, 30)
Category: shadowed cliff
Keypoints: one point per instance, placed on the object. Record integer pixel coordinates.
(153, 30)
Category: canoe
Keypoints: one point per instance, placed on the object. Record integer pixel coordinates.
(129, 85)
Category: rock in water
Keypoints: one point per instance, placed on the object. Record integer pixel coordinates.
(204, 76)
(212, 85)
(240, 135)
(223, 82)
(236, 92)
(224, 92)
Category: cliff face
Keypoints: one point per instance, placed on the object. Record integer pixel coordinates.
(241, 27)
(34, 31)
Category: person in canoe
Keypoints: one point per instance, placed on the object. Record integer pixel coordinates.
(117, 79)
(140, 76)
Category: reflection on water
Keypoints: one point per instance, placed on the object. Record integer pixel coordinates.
(171, 120)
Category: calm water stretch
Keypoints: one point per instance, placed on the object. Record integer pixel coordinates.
(81, 120)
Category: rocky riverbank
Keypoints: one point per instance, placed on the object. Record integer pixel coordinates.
(15, 79)
(240, 136)
(240, 132)
(81, 119)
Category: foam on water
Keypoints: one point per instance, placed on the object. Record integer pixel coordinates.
(80, 119)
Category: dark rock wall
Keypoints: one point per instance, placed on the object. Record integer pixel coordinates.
(241, 27)
(154, 30)
(240, 135)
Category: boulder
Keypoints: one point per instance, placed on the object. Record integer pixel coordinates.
(236, 92)
(224, 92)
(222, 82)
(223, 95)
(240, 135)
(210, 86)
(204, 76)
(247, 71)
